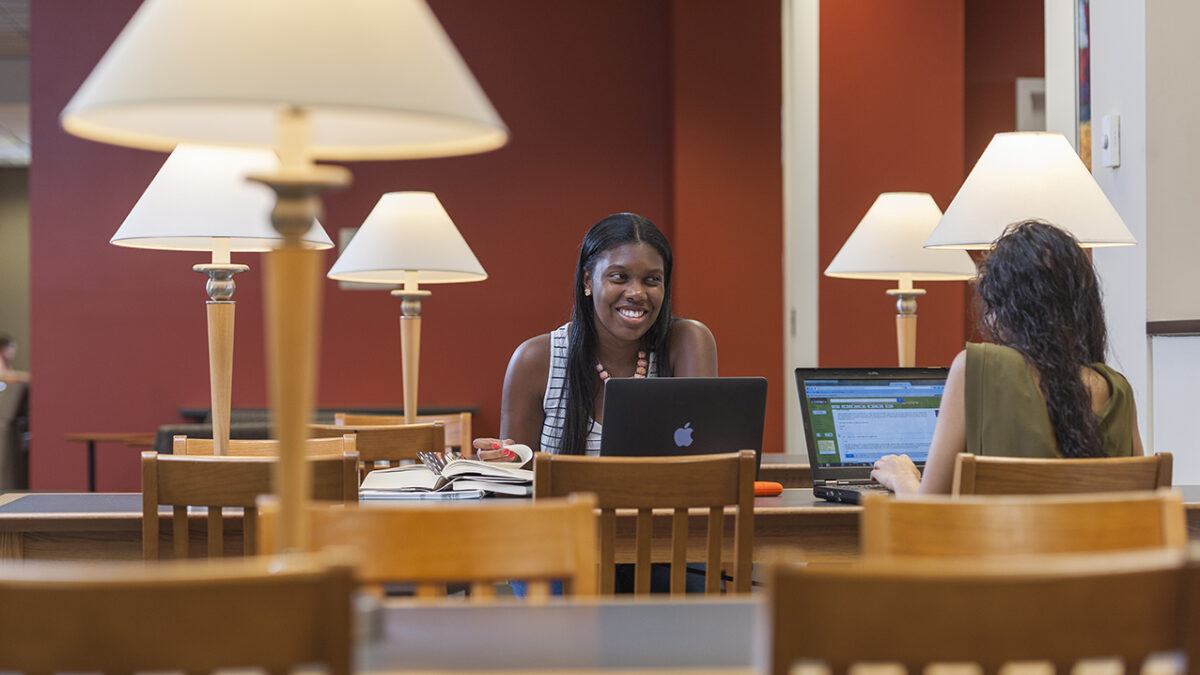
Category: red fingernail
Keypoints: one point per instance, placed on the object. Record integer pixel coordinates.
(510, 454)
(495, 445)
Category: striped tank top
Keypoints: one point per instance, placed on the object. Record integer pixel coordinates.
(554, 403)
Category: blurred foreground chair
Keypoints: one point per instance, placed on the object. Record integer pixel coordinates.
(316, 447)
(481, 544)
(217, 482)
(711, 482)
(917, 612)
(1022, 525)
(458, 426)
(974, 475)
(193, 617)
(381, 446)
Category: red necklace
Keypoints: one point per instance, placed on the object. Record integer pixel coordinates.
(638, 371)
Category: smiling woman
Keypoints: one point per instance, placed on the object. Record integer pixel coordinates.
(621, 326)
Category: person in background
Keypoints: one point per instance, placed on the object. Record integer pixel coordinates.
(8, 352)
(1041, 388)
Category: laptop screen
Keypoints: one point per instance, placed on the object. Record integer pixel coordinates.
(853, 422)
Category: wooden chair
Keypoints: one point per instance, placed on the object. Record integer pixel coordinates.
(316, 447)
(458, 426)
(1013, 476)
(1022, 525)
(193, 617)
(387, 445)
(918, 612)
(432, 545)
(217, 482)
(645, 483)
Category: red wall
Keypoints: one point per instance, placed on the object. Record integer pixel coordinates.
(1005, 39)
(119, 335)
(891, 118)
(729, 186)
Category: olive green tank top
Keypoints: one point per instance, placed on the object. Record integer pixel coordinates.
(1006, 412)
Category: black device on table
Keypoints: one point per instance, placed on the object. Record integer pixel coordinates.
(854, 416)
(668, 416)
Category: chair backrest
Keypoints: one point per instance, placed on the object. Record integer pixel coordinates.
(711, 482)
(458, 425)
(217, 482)
(432, 545)
(918, 612)
(975, 475)
(385, 445)
(316, 447)
(1022, 525)
(194, 617)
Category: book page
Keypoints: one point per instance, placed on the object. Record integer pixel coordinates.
(408, 477)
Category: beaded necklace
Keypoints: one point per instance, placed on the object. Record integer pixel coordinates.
(638, 371)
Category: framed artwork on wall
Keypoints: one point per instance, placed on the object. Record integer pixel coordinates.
(1083, 82)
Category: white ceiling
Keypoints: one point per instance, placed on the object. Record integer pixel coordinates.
(14, 83)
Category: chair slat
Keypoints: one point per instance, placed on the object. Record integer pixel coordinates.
(483, 590)
(641, 571)
(431, 590)
(608, 544)
(250, 530)
(539, 590)
(679, 537)
(716, 532)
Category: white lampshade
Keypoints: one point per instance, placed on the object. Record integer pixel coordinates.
(380, 78)
(201, 201)
(408, 237)
(888, 244)
(1023, 176)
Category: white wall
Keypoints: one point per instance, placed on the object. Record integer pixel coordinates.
(1140, 56)
(1118, 51)
(801, 61)
(1176, 372)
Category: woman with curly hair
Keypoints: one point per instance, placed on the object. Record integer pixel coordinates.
(1040, 388)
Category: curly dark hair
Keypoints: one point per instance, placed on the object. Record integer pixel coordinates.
(1039, 295)
(612, 231)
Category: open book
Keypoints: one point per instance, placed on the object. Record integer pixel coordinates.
(459, 475)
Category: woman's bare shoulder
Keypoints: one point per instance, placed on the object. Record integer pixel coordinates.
(689, 332)
(531, 359)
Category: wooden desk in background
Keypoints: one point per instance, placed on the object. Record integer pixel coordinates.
(91, 438)
(791, 470)
(76, 526)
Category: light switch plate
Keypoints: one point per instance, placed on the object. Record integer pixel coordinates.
(1110, 141)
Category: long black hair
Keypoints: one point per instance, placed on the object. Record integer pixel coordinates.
(1039, 295)
(612, 231)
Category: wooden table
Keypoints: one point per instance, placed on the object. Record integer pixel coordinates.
(108, 526)
(693, 635)
(91, 438)
(791, 470)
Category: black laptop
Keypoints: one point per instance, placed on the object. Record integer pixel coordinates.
(852, 417)
(656, 416)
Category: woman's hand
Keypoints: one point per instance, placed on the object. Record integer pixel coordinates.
(492, 450)
(898, 474)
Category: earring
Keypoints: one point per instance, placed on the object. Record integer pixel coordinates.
(587, 291)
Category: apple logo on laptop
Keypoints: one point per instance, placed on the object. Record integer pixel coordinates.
(683, 435)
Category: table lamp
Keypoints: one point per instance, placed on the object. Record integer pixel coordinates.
(200, 201)
(312, 79)
(887, 245)
(1029, 175)
(408, 239)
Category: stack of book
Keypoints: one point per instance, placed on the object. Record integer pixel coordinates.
(458, 478)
